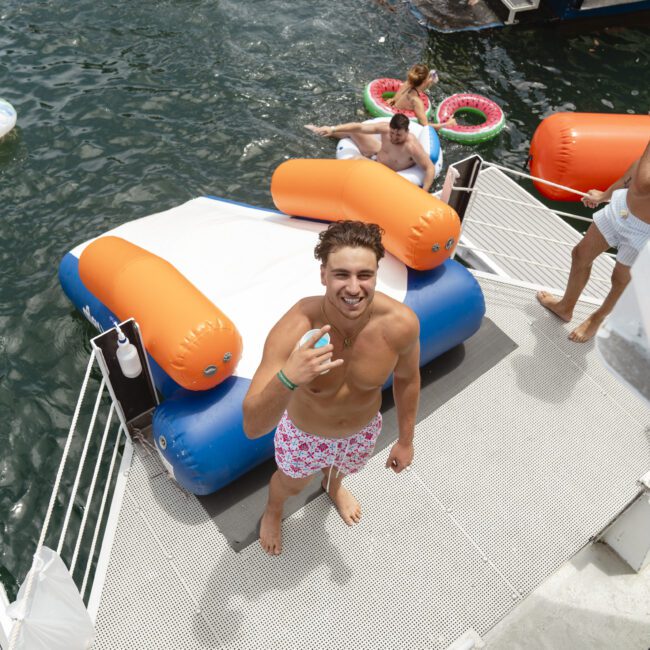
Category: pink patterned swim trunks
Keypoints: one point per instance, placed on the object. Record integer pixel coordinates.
(299, 454)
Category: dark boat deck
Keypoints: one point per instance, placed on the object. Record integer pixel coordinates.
(455, 15)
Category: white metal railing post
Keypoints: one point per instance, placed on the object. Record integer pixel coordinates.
(18, 623)
(101, 511)
(91, 489)
(82, 461)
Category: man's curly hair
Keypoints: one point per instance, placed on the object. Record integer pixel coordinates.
(355, 234)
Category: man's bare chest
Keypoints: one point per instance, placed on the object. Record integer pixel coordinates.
(395, 157)
(366, 367)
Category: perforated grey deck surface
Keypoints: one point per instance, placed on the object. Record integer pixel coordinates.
(236, 509)
(538, 222)
(512, 476)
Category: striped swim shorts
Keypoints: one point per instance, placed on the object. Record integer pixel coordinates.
(621, 228)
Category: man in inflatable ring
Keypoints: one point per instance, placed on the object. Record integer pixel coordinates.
(324, 396)
(397, 148)
(624, 224)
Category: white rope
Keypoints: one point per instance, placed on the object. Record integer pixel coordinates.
(66, 450)
(523, 232)
(520, 259)
(107, 486)
(82, 460)
(535, 178)
(535, 206)
(91, 490)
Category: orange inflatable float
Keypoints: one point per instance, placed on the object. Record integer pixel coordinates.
(198, 346)
(420, 230)
(585, 151)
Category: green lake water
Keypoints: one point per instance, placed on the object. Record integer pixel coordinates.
(127, 108)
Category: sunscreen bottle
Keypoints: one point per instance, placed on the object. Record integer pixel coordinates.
(127, 355)
(323, 340)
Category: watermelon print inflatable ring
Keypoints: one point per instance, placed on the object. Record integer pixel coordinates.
(494, 119)
(378, 91)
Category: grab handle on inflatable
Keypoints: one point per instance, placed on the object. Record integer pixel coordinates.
(192, 340)
(420, 230)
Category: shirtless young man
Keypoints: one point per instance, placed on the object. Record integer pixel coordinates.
(624, 224)
(398, 149)
(325, 401)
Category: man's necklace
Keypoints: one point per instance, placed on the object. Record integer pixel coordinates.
(347, 340)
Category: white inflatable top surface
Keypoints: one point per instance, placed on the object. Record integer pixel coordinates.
(253, 264)
(7, 117)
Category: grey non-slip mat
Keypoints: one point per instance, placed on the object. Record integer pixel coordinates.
(237, 508)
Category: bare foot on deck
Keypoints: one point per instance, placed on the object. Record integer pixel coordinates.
(586, 330)
(271, 532)
(348, 507)
(553, 304)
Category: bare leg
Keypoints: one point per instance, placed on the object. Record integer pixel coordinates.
(281, 488)
(368, 145)
(582, 257)
(345, 503)
(587, 329)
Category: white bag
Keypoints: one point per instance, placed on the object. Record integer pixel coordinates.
(54, 616)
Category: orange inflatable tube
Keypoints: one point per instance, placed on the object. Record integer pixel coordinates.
(420, 230)
(193, 341)
(585, 151)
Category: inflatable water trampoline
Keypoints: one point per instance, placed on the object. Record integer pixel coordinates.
(208, 279)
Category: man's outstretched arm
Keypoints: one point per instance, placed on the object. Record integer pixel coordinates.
(350, 127)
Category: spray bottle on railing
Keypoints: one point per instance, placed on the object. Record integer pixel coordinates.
(127, 355)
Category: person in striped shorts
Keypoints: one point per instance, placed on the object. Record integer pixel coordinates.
(624, 223)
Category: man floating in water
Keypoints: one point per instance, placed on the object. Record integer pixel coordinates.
(624, 224)
(397, 149)
(325, 400)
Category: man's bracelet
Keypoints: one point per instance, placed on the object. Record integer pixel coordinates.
(286, 381)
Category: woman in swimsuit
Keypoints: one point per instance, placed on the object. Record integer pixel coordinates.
(419, 79)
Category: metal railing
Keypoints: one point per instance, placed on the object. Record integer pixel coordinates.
(101, 459)
(533, 236)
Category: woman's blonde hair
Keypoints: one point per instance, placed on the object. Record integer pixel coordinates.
(417, 74)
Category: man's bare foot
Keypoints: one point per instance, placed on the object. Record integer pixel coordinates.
(271, 532)
(472, 2)
(553, 304)
(586, 330)
(348, 507)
